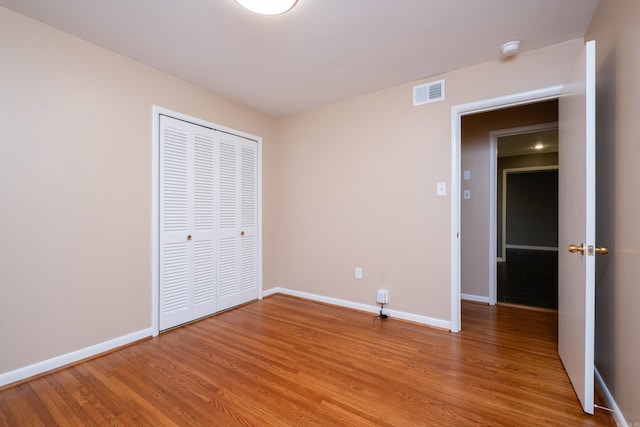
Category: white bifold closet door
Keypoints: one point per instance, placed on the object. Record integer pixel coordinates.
(238, 237)
(208, 191)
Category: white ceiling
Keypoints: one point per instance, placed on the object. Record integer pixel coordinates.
(523, 144)
(319, 52)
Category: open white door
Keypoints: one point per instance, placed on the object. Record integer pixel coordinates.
(576, 214)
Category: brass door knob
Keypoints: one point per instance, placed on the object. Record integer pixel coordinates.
(242, 233)
(574, 248)
(189, 237)
(602, 250)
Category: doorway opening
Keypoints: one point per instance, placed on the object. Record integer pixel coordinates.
(526, 215)
(576, 276)
(527, 268)
(495, 143)
(462, 177)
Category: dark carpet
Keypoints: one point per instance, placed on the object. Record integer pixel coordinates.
(529, 277)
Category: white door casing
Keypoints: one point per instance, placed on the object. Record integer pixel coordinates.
(457, 112)
(576, 212)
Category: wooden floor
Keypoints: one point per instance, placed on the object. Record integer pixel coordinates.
(284, 361)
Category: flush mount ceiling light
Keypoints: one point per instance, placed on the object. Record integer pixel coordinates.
(267, 7)
(511, 48)
(539, 146)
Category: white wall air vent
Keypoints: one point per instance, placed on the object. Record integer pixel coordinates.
(429, 92)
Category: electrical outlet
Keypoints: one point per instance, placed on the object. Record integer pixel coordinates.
(382, 296)
(358, 273)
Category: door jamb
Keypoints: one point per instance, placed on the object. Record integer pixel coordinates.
(457, 111)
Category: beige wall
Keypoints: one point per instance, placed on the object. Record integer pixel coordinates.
(617, 33)
(75, 185)
(357, 186)
(474, 213)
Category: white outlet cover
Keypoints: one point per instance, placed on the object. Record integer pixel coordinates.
(467, 194)
(382, 296)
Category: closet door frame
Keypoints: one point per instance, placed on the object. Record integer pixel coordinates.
(157, 112)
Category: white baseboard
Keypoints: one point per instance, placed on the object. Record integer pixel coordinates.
(271, 291)
(475, 298)
(610, 401)
(69, 358)
(438, 323)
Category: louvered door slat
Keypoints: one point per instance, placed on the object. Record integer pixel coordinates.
(227, 270)
(229, 224)
(228, 185)
(249, 216)
(204, 169)
(204, 265)
(204, 273)
(249, 187)
(174, 183)
(187, 222)
(249, 265)
(238, 267)
(174, 222)
(175, 277)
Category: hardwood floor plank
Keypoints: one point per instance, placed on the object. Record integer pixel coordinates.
(22, 410)
(285, 361)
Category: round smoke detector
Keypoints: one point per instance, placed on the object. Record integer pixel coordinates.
(511, 48)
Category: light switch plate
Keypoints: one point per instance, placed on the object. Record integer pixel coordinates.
(467, 194)
(442, 189)
(466, 175)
